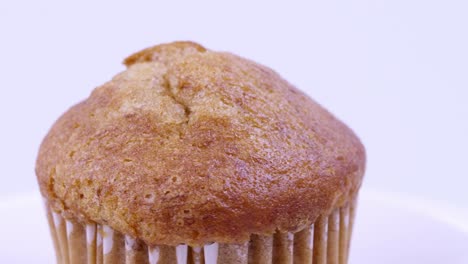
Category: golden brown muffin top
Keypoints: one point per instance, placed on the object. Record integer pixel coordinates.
(194, 146)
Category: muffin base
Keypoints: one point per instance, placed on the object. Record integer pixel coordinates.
(327, 241)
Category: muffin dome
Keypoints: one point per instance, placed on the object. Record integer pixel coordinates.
(193, 146)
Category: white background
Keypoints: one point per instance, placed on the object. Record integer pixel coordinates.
(396, 71)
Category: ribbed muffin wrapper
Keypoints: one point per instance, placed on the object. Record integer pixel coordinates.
(327, 241)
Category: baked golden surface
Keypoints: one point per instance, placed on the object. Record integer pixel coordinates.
(193, 146)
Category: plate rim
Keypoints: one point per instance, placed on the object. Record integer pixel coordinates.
(445, 213)
(442, 212)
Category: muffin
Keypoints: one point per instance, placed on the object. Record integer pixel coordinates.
(197, 156)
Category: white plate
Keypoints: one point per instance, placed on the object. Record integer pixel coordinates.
(389, 229)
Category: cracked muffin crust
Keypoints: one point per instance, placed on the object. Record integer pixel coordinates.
(192, 146)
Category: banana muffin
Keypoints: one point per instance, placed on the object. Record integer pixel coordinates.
(197, 156)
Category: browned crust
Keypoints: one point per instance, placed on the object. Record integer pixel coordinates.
(164, 52)
(194, 146)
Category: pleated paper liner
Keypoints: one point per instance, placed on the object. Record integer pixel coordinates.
(327, 241)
